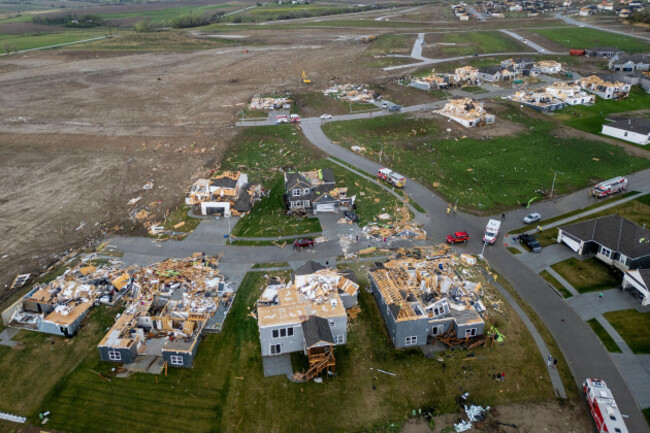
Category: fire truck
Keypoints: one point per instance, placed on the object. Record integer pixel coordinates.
(391, 177)
(609, 187)
(603, 408)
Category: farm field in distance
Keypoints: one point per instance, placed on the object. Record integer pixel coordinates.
(583, 38)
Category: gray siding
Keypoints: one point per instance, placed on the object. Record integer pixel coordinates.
(442, 325)
(461, 329)
(127, 354)
(294, 343)
(389, 320)
(188, 358)
(411, 328)
(348, 301)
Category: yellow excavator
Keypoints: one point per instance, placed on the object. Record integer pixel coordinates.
(305, 79)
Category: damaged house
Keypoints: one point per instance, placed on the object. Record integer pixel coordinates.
(496, 73)
(539, 101)
(570, 94)
(467, 112)
(307, 314)
(425, 297)
(228, 194)
(315, 191)
(172, 304)
(60, 306)
(604, 88)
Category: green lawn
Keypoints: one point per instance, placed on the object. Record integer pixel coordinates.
(513, 250)
(271, 265)
(481, 42)
(606, 339)
(36, 40)
(633, 327)
(226, 391)
(555, 283)
(583, 38)
(164, 15)
(391, 44)
(591, 118)
(493, 174)
(154, 41)
(589, 275)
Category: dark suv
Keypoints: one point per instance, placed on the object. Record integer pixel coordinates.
(530, 242)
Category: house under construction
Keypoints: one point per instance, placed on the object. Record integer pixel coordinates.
(307, 314)
(171, 304)
(228, 194)
(423, 295)
(467, 112)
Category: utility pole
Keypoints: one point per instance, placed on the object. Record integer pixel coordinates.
(480, 256)
(553, 185)
(381, 152)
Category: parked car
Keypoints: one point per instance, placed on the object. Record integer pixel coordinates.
(348, 214)
(384, 104)
(532, 218)
(303, 243)
(325, 116)
(395, 108)
(457, 237)
(531, 243)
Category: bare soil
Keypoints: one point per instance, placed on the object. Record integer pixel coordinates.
(549, 416)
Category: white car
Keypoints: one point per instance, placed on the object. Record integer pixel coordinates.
(384, 104)
(532, 218)
(325, 116)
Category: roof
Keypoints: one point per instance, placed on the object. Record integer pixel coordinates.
(316, 330)
(295, 177)
(490, 69)
(309, 268)
(603, 49)
(224, 182)
(640, 126)
(615, 233)
(636, 58)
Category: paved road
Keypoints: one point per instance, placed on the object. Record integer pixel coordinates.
(453, 59)
(385, 17)
(48, 47)
(531, 44)
(569, 20)
(416, 51)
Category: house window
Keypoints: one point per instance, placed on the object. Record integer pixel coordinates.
(625, 134)
(411, 341)
(296, 192)
(434, 330)
(470, 332)
(276, 349)
(282, 332)
(305, 191)
(176, 360)
(305, 203)
(605, 252)
(338, 339)
(276, 333)
(332, 323)
(114, 355)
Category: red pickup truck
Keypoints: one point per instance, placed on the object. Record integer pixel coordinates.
(457, 237)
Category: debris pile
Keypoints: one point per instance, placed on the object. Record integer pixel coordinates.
(571, 94)
(604, 88)
(539, 101)
(171, 304)
(260, 103)
(467, 112)
(352, 93)
(402, 231)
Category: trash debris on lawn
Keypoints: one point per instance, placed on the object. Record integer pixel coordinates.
(476, 413)
(20, 280)
(400, 230)
(260, 103)
(462, 426)
(352, 93)
(358, 149)
(148, 185)
(134, 200)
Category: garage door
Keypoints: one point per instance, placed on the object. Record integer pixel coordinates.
(326, 207)
(574, 245)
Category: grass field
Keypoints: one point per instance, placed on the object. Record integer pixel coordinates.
(164, 15)
(591, 118)
(555, 283)
(36, 40)
(589, 275)
(637, 210)
(391, 44)
(490, 174)
(583, 38)
(605, 338)
(481, 42)
(633, 327)
(513, 250)
(225, 391)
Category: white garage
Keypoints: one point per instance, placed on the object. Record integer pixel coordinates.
(324, 207)
(568, 241)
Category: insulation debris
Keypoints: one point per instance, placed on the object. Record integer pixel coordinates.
(259, 103)
(352, 93)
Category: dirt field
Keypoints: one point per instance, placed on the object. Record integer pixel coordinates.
(570, 417)
(73, 125)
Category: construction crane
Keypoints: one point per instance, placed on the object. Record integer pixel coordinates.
(305, 79)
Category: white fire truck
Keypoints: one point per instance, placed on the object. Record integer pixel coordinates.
(603, 407)
(391, 177)
(609, 187)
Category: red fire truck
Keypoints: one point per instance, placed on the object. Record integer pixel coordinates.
(603, 407)
(609, 187)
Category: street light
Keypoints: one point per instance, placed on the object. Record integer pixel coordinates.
(381, 152)
(553, 186)
(480, 256)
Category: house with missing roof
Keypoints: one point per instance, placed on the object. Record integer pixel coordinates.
(307, 314)
(613, 239)
(423, 298)
(632, 130)
(315, 192)
(227, 194)
(605, 87)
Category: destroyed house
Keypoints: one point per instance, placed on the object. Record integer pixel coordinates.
(424, 298)
(60, 306)
(496, 73)
(172, 304)
(307, 312)
(613, 239)
(315, 191)
(603, 87)
(226, 194)
(539, 101)
(571, 94)
(467, 112)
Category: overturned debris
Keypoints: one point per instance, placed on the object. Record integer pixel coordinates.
(352, 93)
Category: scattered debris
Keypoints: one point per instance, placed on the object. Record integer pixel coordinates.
(20, 280)
(352, 93)
(467, 112)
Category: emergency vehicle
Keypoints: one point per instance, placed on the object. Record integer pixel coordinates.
(391, 177)
(603, 408)
(609, 187)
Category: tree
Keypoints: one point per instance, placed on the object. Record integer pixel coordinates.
(143, 26)
(7, 48)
